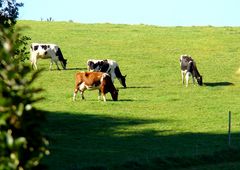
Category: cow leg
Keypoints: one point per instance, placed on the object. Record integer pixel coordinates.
(82, 88)
(75, 93)
(57, 65)
(34, 65)
(187, 78)
(99, 95)
(104, 97)
(193, 80)
(183, 77)
(102, 91)
(33, 60)
(81, 92)
(51, 63)
(113, 76)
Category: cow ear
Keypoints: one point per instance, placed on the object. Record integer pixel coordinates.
(125, 76)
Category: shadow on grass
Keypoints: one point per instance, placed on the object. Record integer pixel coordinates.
(136, 87)
(76, 68)
(126, 100)
(216, 84)
(88, 141)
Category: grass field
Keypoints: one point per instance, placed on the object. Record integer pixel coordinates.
(156, 118)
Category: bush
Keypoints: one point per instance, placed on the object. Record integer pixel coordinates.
(22, 145)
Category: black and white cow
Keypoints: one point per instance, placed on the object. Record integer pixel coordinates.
(46, 51)
(189, 68)
(108, 66)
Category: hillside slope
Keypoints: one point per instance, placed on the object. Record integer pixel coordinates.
(155, 116)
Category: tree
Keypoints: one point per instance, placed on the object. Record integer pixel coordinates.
(8, 18)
(9, 12)
(22, 143)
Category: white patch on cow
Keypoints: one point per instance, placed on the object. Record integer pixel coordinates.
(82, 86)
(187, 78)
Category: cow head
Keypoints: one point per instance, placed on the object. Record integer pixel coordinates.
(64, 64)
(92, 66)
(199, 80)
(122, 80)
(114, 95)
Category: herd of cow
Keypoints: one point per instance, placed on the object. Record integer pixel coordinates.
(101, 73)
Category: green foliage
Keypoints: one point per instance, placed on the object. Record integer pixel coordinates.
(9, 12)
(22, 145)
(8, 19)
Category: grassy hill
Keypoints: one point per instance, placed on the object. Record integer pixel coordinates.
(156, 117)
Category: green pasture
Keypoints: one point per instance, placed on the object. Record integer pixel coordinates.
(156, 117)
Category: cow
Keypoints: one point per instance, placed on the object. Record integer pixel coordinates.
(95, 80)
(189, 68)
(108, 66)
(46, 51)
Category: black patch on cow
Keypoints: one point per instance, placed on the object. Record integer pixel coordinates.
(120, 76)
(45, 47)
(59, 54)
(45, 53)
(35, 47)
(104, 66)
(185, 60)
(60, 57)
(117, 72)
(190, 67)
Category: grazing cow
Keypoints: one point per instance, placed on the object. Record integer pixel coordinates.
(108, 66)
(45, 51)
(188, 68)
(95, 80)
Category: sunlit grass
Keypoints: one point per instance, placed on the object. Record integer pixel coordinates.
(155, 115)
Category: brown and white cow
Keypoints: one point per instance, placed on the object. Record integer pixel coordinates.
(95, 80)
(46, 51)
(189, 68)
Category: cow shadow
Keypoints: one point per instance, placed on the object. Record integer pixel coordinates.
(126, 100)
(76, 68)
(218, 84)
(136, 87)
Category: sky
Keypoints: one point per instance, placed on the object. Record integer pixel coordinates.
(149, 12)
